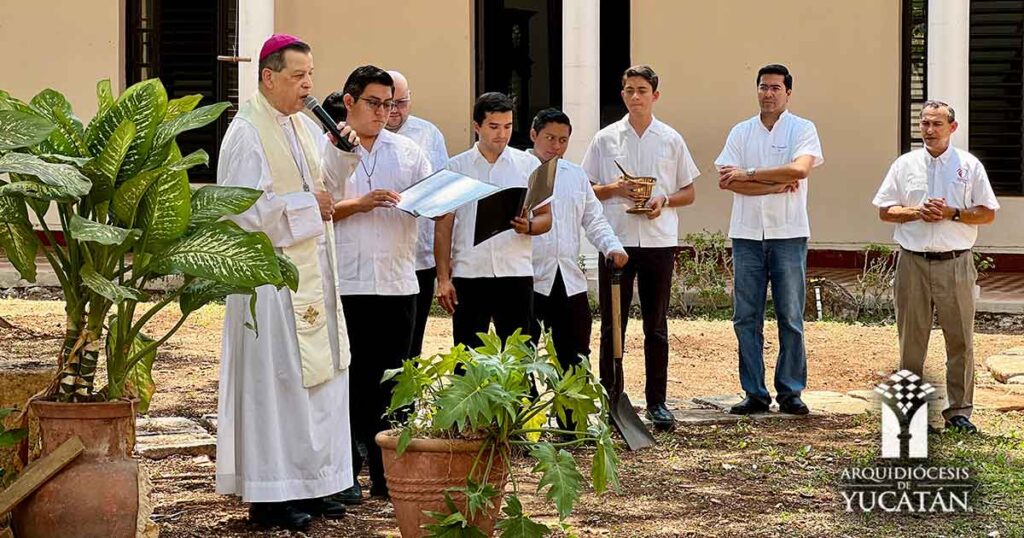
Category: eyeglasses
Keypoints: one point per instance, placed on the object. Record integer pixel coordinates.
(774, 88)
(377, 105)
(403, 103)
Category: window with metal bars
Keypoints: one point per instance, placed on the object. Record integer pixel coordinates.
(914, 71)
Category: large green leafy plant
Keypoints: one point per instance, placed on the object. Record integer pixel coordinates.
(119, 187)
(504, 396)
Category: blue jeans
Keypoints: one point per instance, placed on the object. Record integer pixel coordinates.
(783, 263)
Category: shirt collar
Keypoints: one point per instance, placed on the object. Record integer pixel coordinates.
(478, 158)
(782, 117)
(944, 158)
(654, 128)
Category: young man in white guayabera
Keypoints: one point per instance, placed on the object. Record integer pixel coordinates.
(765, 163)
(491, 281)
(431, 141)
(284, 443)
(938, 196)
(376, 260)
(644, 146)
(559, 286)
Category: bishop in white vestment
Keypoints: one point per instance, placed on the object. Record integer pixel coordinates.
(283, 441)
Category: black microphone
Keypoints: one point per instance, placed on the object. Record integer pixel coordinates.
(341, 142)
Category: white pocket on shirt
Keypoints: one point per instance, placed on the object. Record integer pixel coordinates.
(917, 191)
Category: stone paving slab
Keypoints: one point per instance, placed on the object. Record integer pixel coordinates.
(1007, 368)
(158, 438)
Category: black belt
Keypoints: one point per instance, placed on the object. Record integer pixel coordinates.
(948, 255)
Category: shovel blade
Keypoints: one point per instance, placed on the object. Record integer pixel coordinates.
(629, 424)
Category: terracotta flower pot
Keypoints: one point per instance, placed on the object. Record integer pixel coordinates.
(417, 480)
(97, 494)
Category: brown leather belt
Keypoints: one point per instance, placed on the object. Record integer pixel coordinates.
(948, 255)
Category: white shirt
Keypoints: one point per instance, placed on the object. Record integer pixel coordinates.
(957, 176)
(751, 145)
(574, 206)
(660, 153)
(431, 141)
(508, 253)
(377, 249)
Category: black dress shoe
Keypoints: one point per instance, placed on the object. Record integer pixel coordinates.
(793, 406)
(324, 507)
(961, 424)
(749, 406)
(661, 417)
(281, 514)
(351, 496)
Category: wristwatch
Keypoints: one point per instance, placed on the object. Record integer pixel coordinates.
(750, 171)
(956, 214)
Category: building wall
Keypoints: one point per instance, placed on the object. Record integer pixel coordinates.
(67, 45)
(429, 42)
(845, 57)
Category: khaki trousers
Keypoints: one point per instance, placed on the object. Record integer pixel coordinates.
(924, 288)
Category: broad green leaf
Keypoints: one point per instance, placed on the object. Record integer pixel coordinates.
(186, 121)
(107, 289)
(559, 475)
(138, 380)
(479, 496)
(104, 97)
(7, 102)
(20, 129)
(9, 438)
(83, 229)
(13, 210)
(201, 292)
(470, 400)
(37, 191)
(65, 176)
(19, 242)
(212, 202)
(451, 524)
(409, 383)
(39, 205)
(181, 105)
(165, 209)
(69, 136)
(517, 525)
(605, 470)
(57, 158)
(104, 168)
(130, 193)
(144, 104)
(225, 253)
(289, 273)
(403, 441)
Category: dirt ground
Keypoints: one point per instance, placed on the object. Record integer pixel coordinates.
(770, 478)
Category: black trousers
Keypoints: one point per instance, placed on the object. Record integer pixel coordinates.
(426, 278)
(508, 301)
(568, 319)
(379, 331)
(651, 268)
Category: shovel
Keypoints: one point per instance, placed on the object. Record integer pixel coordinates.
(622, 412)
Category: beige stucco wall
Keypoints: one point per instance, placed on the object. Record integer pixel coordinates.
(429, 42)
(845, 57)
(67, 45)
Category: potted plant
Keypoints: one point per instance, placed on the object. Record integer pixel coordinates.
(120, 189)
(447, 461)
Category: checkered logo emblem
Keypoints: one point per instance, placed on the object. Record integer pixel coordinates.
(906, 393)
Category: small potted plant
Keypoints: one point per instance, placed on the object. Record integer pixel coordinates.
(127, 215)
(473, 412)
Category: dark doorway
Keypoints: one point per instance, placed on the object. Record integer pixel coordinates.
(179, 42)
(519, 53)
(615, 58)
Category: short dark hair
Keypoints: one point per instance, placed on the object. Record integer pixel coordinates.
(275, 60)
(775, 69)
(334, 104)
(550, 115)
(490, 102)
(643, 71)
(933, 103)
(365, 75)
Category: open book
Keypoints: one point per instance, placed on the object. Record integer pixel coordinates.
(495, 212)
(441, 193)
